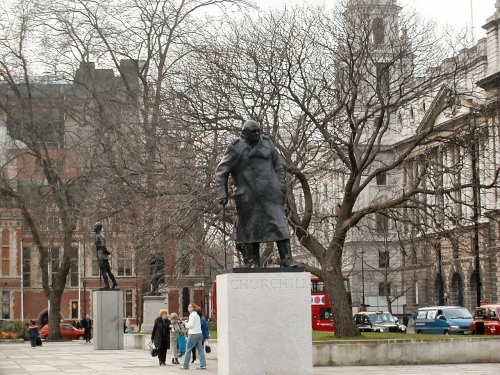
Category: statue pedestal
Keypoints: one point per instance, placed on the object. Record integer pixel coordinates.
(151, 307)
(108, 319)
(264, 323)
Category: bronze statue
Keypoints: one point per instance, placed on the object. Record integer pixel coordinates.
(103, 256)
(259, 193)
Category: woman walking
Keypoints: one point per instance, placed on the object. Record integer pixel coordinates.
(195, 338)
(160, 336)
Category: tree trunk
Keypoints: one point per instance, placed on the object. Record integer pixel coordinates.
(342, 314)
(54, 316)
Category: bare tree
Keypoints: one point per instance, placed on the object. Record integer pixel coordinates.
(328, 86)
(44, 173)
(151, 190)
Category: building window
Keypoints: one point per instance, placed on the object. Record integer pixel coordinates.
(384, 289)
(5, 253)
(125, 262)
(378, 31)
(381, 179)
(127, 303)
(26, 267)
(74, 309)
(54, 263)
(383, 259)
(382, 223)
(5, 305)
(383, 78)
(74, 266)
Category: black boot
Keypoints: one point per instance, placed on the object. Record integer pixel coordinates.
(253, 255)
(242, 250)
(285, 253)
(115, 284)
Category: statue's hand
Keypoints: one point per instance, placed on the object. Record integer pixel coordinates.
(223, 201)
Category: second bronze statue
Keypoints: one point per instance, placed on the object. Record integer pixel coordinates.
(259, 194)
(103, 257)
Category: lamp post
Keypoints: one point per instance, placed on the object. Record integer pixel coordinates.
(476, 198)
(363, 276)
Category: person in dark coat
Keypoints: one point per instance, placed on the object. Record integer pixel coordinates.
(259, 193)
(87, 328)
(33, 333)
(160, 336)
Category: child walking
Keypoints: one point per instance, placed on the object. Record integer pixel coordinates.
(33, 333)
(175, 332)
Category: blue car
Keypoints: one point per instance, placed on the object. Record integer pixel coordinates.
(443, 320)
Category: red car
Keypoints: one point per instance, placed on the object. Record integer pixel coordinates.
(486, 320)
(65, 330)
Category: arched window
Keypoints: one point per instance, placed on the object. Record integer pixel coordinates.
(378, 31)
(457, 290)
(439, 289)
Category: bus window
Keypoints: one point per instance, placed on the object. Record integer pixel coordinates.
(317, 286)
(326, 313)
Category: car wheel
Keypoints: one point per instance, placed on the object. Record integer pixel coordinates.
(419, 332)
(446, 333)
(81, 337)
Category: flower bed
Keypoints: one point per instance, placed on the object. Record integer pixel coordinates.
(8, 335)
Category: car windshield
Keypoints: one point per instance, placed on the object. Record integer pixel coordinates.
(458, 313)
(382, 318)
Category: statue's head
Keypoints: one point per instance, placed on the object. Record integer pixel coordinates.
(97, 227)
(251, 131)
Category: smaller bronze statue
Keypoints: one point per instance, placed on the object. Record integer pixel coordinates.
(259, 194)
(103, 257)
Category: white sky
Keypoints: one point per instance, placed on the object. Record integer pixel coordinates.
(446, 13)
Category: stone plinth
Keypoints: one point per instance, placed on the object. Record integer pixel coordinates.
(108, 319)
(264, 323)
(151, 307)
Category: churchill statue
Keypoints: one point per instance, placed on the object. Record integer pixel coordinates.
(259, 193)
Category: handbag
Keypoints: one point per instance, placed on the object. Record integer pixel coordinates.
(208, 349)
(38, 341)
(153, 350)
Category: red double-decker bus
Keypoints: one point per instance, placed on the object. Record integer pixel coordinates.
(321, 312)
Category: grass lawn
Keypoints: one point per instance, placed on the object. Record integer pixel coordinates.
(326, 336)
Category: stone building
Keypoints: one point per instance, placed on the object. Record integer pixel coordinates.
(96, 99)
(443, 249)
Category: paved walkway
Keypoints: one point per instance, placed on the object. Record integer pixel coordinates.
(76, 357)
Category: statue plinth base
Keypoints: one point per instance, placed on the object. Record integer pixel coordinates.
(107, 309)
(264, 323)
(151, 307)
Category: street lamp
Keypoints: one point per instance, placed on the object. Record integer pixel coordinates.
(476, 196)
(363, 276)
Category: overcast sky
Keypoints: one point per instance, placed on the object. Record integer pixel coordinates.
(452, 13)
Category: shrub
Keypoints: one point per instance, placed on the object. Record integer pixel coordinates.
(13, 329)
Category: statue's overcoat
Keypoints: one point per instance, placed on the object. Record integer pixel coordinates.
(259, 190)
